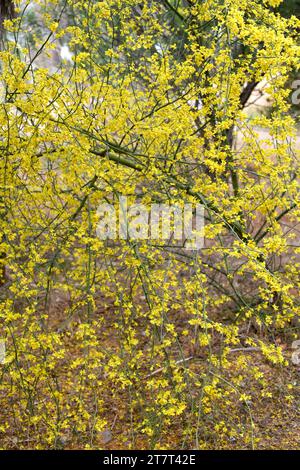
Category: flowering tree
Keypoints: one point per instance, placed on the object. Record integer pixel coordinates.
(151, 105)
